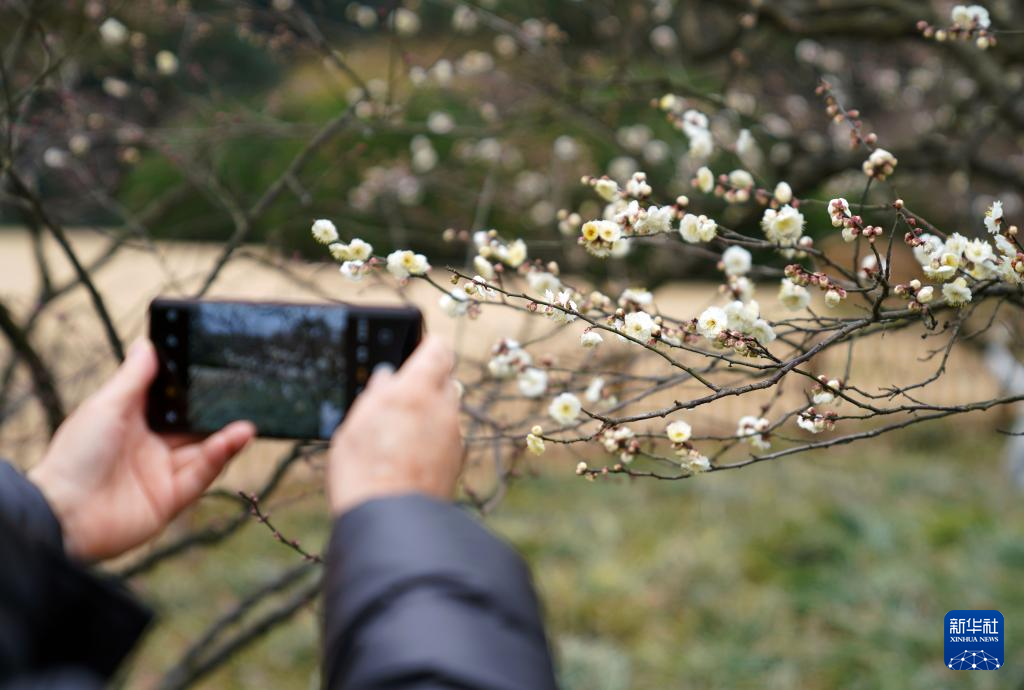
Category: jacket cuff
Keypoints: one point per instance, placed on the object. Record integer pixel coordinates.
(23, 506)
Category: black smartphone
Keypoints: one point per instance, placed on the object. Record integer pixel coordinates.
(291, 369)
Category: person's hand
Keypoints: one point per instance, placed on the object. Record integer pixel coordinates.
(111, 481)
(401, 435)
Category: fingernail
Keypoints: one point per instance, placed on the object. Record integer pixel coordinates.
(384, 368)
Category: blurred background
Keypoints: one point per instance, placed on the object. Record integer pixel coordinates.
(174, 147)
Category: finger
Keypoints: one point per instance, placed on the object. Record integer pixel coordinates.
(430, 365)
(175, 441)
(198, 464)
(133, 377)
(381, 373)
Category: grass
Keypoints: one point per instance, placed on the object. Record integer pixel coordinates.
(831, 570)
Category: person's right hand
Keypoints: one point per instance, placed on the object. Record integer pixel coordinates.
(401, 435)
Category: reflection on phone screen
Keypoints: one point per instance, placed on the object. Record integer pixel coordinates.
(281, 368)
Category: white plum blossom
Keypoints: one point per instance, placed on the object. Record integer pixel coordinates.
(970, 17)
(792, 296)
(594, 390)
(784, 226)
(513, 254)
(696, 463)
(655, 220)
(564, 300)
(353, 270)
(957, 293)
(838, 211)
(712, 321)
(783, 193)
(356, 250)
(455, 303)
(532, 382)
(825, 393)
(705, 179)
(694, 229)
(534, 442)
(637, 186)
(405, 22)
(113, 32)
(484, 267)
(833, 298)
(736, 261)
(742, 316)
(590, 338)
(994, 217)
(678, 431)
(508, 359)
(929, 246)
(324, 231)
(925, 294)
(639, 325)
(402, 263)
(741, 179)
(166, 63)
(762, 332)
(565, 408)
(880, 164)
(543, 282)
(753, 430)
(636, 296)
(598, 236)
(606, 188)
(810, 421)
(978, 251)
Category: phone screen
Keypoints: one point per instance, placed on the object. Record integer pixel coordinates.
(285, 367)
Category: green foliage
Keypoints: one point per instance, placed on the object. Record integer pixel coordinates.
(832, 570)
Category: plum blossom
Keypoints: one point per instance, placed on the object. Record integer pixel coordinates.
(654, 220)
(994, 217)
(678, 431)
(957, 293)
(705, 179)
(783, 193)
(543, 281)
(564, 300)
(639, 325)
(712, 321)
(970, 17)
(508, 358)
(880, 164)
(113, 32)
(455, 303)
(402, 263)
(534, 442)
(753, 430)
(784, 226)
(565, 408)
(694, 229)
(353, 270)
(324, 231)
(532, 382)
(792, 296)
(736, 261)
(590, 338)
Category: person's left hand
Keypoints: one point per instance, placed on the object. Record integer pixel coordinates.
(112, 482)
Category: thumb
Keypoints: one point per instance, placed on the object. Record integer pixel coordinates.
(132, 378)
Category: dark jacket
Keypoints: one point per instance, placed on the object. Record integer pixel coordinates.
(418, 596)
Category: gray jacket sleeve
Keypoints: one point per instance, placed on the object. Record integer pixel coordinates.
(61, 627)
(418, 596)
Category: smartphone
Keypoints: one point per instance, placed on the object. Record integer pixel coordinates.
(291, 369)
